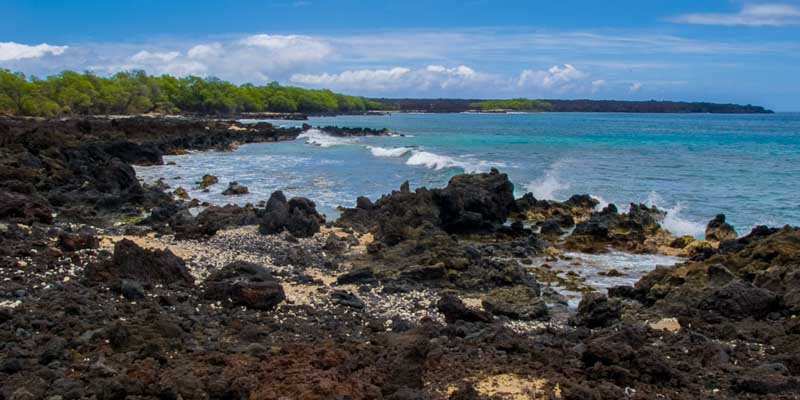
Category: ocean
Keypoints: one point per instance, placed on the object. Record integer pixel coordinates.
(692, 165)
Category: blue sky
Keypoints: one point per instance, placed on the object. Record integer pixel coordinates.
(714, 50)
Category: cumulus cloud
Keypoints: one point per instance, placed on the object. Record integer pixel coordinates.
(431, 77)
(556, 78)
(765, 14)
(635, 87)
(17, 51)
(254, 58)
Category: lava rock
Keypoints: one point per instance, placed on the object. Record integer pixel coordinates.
(244, 284)
(235, 189)
(348, 299)
(596, 311)
(298, 216)
(719, 230)
(454, 310)
(144, 265)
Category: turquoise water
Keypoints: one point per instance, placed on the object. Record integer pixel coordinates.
(695, 166)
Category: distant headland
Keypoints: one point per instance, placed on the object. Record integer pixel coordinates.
(133, 93)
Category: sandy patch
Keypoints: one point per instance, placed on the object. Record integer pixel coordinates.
(148, 242)
(513, 387)
(666, 324)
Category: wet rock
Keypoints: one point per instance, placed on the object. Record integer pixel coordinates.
(577, 207)
(235, 189)
(144, 265)
(181, 193)
(719, 230)
(206, 181)
(298, 216)
(454, 310)
(596, 311)
(244, 284)
(364, 203)
(347, 299)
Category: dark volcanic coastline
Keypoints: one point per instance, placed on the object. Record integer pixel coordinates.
(113, 289)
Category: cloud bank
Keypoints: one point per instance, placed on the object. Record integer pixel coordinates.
(17, 51)
(766, 14)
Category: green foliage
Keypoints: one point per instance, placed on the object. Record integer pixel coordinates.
(135, 92)
(513, 104)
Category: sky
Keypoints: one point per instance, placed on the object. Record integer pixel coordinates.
(744, 52)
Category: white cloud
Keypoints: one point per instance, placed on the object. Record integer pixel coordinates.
(205, 51)
(766, 14)
(598, 84)
(556, 78)
(429, 78)
(145, 56)
(17, 51)
(635, 87)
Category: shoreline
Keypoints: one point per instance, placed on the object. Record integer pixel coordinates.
(423, 293)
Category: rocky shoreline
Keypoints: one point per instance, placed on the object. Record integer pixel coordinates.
(111, 289)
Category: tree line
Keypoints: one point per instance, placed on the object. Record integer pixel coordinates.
(519, 104)
(135, 92)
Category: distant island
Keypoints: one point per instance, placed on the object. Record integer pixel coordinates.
(131, 93)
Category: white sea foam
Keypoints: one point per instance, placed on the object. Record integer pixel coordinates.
(601, 202)
(318, 138)
(547, 186)
(393, 152)
(438, 161)
(674, 222)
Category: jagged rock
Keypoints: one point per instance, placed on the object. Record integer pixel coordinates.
(235, 189)
(719, 230)
(596, 311)
(244, 284)
(298, 216)
(738, 300)
(181, 193)
(472, 202)
(144, 265)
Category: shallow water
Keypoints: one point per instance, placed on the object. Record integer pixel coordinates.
(695, 166)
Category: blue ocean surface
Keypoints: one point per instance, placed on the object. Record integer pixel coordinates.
(692, 165)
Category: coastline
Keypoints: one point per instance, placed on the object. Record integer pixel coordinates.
(393, 299)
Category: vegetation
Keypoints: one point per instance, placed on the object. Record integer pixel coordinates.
(72, 93)
(512, 104)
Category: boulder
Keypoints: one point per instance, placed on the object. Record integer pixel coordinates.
(144, 265)
(739, 300)
(596, 311)
(454, 310)
(235, 189)
(474, 202)
(719, 230)
(206, 181)
(298, 216)
(244, 284)
(83, 238)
